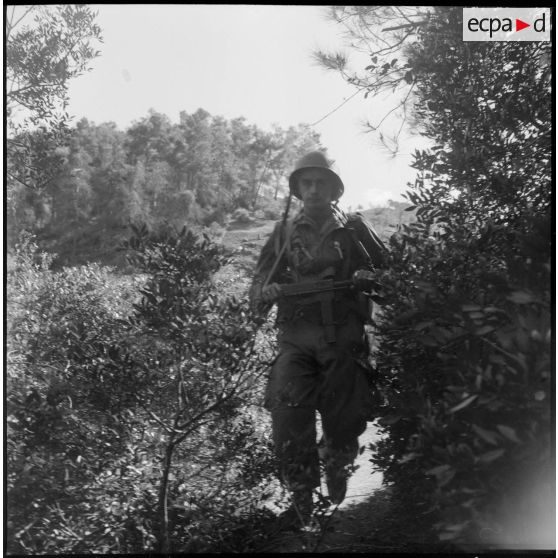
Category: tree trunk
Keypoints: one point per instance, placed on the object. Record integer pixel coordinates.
(163, 539)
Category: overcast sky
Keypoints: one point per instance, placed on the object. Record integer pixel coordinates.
(240, 60)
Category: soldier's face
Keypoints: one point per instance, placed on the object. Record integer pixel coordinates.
(315, 187)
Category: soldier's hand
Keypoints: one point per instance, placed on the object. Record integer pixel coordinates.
(271, 292)
(364, 280)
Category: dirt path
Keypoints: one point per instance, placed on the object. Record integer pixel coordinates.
(364, 481)
(349, 527)
(368, 520)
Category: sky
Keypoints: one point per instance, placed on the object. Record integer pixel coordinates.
(241, 60)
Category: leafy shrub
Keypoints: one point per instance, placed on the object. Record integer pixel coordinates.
(242, 215)
(466, 376)
(64, 405)
(464, 338)
(101, 451)
(210, 356)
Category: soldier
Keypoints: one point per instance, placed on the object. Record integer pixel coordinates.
(322, 361)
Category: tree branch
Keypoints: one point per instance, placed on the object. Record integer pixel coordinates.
(11, 175)
(11, 27)
(35, 86)
(406, 26)
(336, 108)
(394, 108)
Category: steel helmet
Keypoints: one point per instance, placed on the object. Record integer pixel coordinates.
(314, 160)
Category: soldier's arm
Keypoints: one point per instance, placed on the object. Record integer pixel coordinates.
(264, 267)
(376, 249)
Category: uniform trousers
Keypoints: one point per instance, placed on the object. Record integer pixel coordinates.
(309, 375)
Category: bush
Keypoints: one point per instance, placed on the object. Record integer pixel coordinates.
(64, 402)
(464, 337)
(242, 215)
(99, 446)
(464, 350)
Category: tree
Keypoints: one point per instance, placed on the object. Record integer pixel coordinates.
(198, 171)
(380, 36)
(43, 53)
(209, 362)
(464, 336)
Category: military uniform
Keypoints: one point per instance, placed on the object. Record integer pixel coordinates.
(322, 359)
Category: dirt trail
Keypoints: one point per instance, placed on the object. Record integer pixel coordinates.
(364, 482)
(351, 524)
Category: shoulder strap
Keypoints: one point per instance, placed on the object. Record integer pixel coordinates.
(284, 236)
(282, 241)
(349, 221)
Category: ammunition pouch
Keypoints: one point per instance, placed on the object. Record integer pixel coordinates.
(309, 308)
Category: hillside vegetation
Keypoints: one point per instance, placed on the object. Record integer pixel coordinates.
(133, 392)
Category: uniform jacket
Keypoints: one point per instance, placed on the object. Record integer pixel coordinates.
(313, 253)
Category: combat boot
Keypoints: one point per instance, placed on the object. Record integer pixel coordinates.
(337, 472)
(336, 481)
(299, 514)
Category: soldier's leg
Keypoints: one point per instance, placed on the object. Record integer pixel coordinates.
(291, 398)
(294, 438)
(339, 444)
(343, 406)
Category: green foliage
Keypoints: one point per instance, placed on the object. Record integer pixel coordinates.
(43, 53)
(65, 402)
(464, 339)
(198, 171)
(388, 219)
(242, 216)
(131, 402)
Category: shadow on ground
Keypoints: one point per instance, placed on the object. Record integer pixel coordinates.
(374, 525)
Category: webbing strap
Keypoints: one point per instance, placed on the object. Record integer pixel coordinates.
(288, 227)
(326, 301)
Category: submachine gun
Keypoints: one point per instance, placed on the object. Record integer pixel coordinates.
(320, 286)
(324, 289)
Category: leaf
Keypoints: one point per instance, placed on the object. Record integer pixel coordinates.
(471, 308)
(497, 359)
(386, 421)
(508, 432)
(427, 340)
(466, 402)
(407, 457)
(447, 536)
(486, 435)
(484, 330)
(446, 477)
(411, 208)
(423, 325)
(521, 297)
(490, 456)
(476, 315)
(439, 470)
